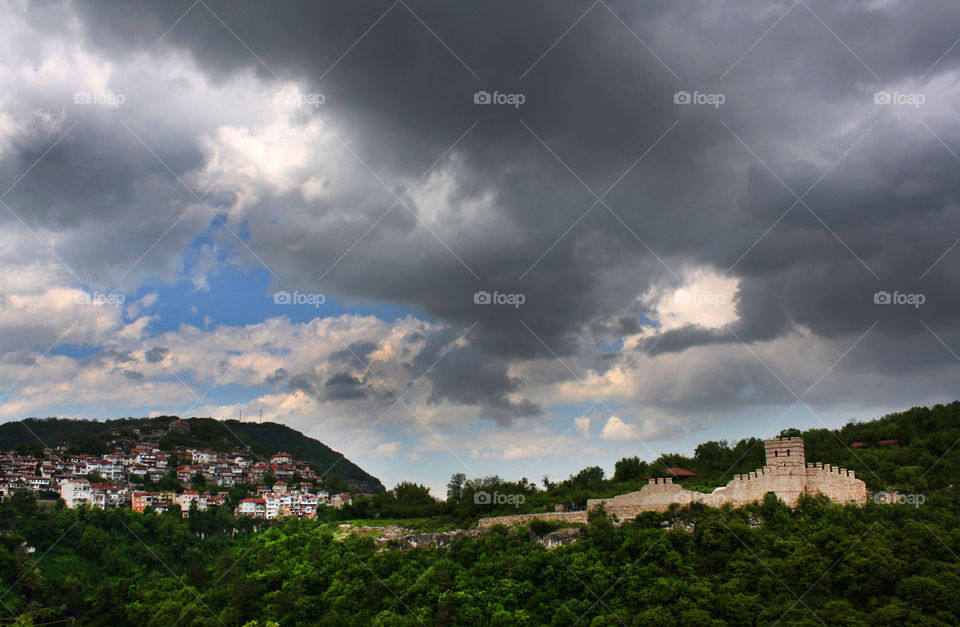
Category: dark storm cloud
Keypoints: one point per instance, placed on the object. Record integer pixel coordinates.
(356, 354)
(340, 386)
(468, 375)
(107, 358)
(302, 383)
(278, 375)
(884, 203)
(98, 188)
(343, 386)
(156, 354)
(21, 357)
(132, 375)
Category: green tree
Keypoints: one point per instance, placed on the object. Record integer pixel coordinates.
(629, 469)
(455, 487)
(30, 449)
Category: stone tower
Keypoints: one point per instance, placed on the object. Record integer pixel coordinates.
(785, 455)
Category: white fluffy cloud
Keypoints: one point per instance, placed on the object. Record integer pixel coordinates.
(617, 429)
(706, 298)
(387, 449)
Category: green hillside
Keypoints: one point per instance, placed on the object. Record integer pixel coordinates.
(92, 436)
(925, 459)
(819, 563)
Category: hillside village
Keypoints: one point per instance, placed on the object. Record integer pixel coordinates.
(139, 474)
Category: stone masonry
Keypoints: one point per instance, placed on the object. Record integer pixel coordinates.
(786, 474)
(573, 517)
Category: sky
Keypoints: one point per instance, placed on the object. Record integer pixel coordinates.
(491, 238)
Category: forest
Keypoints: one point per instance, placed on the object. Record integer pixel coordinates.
(762, 564)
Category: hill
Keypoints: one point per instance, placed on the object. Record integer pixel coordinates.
(913, 452)
(884, 563)
(92, 436)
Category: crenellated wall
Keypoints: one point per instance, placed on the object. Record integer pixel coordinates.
(786, 474)
(840, 484)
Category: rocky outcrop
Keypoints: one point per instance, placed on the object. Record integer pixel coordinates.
(436, 540)
(559, 537)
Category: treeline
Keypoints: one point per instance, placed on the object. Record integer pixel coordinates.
(925, 458)
(763, 564)
(61, 563)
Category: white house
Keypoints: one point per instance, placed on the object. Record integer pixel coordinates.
(75, 492)
(189, 497)
(252, 507)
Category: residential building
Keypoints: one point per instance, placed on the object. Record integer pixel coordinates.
(75, 492)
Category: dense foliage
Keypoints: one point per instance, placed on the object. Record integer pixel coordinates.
(818, 563)
(924, 459)
(881, 564)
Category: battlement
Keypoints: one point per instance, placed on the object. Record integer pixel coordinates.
(759, 473)
(660, 481)
(843, 472)
(786, 474)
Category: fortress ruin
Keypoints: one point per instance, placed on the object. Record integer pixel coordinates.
(786, 474)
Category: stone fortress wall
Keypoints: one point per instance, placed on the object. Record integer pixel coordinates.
(786, 474)
(572, 517)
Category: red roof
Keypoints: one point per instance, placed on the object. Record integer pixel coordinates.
(680, 472)
(859, 445)
(886, 442)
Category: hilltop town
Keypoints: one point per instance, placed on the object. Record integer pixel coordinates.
(139, 474)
